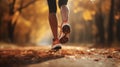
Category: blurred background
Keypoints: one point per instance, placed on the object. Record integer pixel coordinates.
(93, 22)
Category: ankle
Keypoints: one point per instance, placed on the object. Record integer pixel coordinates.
(65, 21)
(55, 41)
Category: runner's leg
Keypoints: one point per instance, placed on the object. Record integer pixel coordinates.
(52, 17)
(54, 24)
(64, 10)
(65, 27)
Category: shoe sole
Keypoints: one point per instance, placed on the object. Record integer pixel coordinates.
(57, 48)
(66, 32)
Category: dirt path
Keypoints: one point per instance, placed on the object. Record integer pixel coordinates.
(69, 56)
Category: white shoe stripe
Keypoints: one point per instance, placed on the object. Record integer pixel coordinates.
(54, 46)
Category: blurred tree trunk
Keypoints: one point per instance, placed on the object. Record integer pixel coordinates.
(1, 14)
(14, 15)
(0, 25)
(11, 26)
(117, 11)
(118, 30)
(99, 19)
(72, 37)
(111, 23)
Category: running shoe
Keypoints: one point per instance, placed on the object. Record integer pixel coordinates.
(56, 44)
(65, 33)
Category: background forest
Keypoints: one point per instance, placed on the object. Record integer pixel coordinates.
(92, 22)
